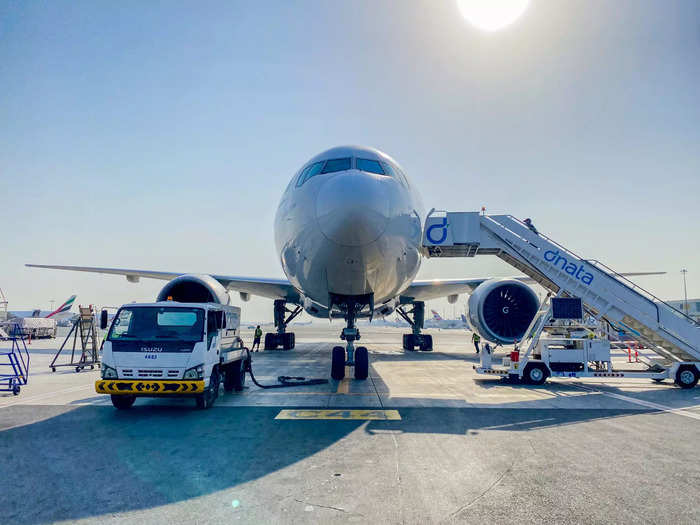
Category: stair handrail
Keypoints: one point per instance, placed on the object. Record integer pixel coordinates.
(610, 273)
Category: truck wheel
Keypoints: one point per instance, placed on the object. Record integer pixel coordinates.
(123, 402)
(206, 399)
(361, 363)
(338, 363)
(234, 379)
(687, 376)
(535, 374)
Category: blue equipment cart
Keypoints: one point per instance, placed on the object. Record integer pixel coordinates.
(14, 364)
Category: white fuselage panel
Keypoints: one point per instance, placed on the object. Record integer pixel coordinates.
(349, 232)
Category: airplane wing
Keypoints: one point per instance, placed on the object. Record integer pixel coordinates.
(437, 288)
(270, 288)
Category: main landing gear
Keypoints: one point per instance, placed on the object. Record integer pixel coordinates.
(282, 337)
(424, 342)
(351, 356)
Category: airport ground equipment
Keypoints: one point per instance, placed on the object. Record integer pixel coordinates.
(170, 348)
(34, 327)
(14, 365)
(84, 328)
(283, 339)
(605, 295)
(3, 306)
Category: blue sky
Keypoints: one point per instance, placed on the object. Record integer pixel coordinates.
(160, 135)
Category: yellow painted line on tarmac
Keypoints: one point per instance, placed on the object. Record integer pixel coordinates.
(344, 385)
(373, 415)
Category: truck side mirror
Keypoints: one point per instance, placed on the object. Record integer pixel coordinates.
(103, 319)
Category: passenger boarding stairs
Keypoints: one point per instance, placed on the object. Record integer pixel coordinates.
(607, 294)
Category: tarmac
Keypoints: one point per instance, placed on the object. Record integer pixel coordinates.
(423, 440)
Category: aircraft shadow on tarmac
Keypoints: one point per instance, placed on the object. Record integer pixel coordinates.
(93, 461)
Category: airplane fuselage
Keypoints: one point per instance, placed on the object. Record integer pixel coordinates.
(344, 229)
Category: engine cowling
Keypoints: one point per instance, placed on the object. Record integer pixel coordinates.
(500, 310)
(193, 288)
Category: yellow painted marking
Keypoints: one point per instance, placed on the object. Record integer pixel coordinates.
(380, 415)
(344, 385)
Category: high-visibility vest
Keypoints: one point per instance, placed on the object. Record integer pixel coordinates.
(475, 337)
(258, 332)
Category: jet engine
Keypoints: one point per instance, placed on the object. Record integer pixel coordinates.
(500, 310)
(192, 288)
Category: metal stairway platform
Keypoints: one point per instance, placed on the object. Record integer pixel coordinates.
(606, 293)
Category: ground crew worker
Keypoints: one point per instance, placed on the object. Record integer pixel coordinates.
(475, 340)
(528, 223)
(256, 338)
(486, 356)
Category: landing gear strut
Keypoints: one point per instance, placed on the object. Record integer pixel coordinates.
(351, 356)
(424, 342)
(282, 337)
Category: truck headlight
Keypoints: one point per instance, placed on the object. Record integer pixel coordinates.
(196, 372)
(108, 372)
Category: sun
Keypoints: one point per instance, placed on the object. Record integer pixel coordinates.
(492, 15)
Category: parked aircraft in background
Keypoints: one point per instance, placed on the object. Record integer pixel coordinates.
(348, 232)
(438, 321)
(61, 313)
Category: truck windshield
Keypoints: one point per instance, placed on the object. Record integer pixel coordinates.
(156, 323)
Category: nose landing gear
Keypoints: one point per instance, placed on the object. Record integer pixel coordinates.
(350, 356)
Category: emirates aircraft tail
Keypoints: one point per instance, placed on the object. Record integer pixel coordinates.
(65, 307)
(436, 316)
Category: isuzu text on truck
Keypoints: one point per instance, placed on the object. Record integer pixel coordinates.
(169, 348)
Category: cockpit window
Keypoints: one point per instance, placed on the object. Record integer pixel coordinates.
(370, 166)
(395, 172)
(309, 171)
(334, 165)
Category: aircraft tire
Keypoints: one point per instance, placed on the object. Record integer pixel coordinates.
(270, 341)
(427, 343)
(338, 363)
(361, 363)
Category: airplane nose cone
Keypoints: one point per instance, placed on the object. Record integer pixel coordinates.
(352, 209)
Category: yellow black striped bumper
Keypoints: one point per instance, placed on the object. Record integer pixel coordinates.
(119, 386)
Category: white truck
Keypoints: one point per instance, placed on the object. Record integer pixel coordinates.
(169, 348)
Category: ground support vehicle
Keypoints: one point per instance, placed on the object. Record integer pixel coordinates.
(575, 348)
(602, 294)
(168, 348)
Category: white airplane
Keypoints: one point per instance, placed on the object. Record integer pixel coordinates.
(348, 233)
(438, 321)
(61, 313)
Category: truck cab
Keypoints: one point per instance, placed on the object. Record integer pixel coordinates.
(169, 349)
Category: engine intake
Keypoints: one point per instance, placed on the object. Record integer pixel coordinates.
(500, 310)
(195, 289)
